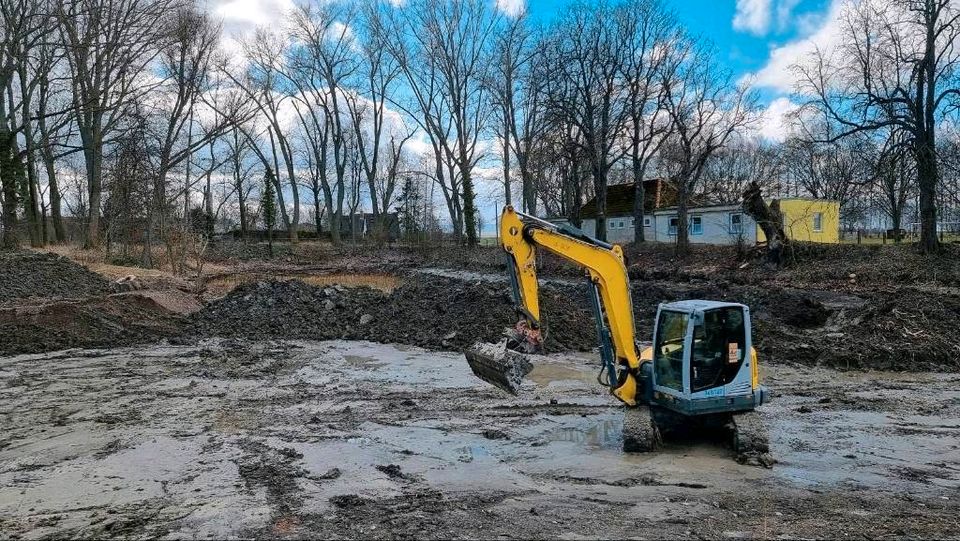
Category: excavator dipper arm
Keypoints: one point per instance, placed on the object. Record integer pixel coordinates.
(521, 236)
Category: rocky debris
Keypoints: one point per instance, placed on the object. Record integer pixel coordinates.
(349, 501)
(128, 283)
(43, 275)
(435, 313)
(392, 471)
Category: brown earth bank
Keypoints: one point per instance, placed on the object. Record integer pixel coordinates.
(856, 312)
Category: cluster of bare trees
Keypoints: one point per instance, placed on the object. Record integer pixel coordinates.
(129, 121)
(893, 77)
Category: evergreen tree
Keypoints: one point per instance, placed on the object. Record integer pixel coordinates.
(268, 204)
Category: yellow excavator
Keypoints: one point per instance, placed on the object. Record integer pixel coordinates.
(699, 371)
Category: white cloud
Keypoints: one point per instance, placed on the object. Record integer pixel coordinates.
(775, 122)
(753, 16)
(778, 72)
(512, 8)
(252, 12)
(784, 13)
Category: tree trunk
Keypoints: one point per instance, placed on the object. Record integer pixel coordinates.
(54, 191)
(93, 159)
(683, 233)
(469, 207)
(506, 174)
(317, 217)
(769, 219)
(639, 195)
(600, 188)
(927, 182)
(32, 203)
(8, 178)
(31, 200)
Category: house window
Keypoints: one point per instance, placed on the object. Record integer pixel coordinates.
(736, 223)
(696, 225)
(818, 221)
(672, 226)
(646, 221)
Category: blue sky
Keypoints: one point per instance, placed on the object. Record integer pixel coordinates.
(743, 31)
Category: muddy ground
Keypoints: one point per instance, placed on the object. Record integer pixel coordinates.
(322, 393)
(345, 439)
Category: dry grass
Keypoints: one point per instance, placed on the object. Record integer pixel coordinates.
(221, 285)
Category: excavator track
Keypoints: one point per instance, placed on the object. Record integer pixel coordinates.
(750, 439)
(640, 431)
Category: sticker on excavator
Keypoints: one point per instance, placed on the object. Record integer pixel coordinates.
(498, 365)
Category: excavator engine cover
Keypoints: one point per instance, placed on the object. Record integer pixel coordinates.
(498, 365)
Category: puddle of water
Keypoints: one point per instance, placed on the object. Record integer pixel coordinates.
(362, 361)
(605, 432)
(546, 374)
(384, 282)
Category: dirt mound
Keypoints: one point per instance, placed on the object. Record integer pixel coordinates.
(110, 321)
(436, 314)
(31, 274)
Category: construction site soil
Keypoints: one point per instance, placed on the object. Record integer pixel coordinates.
(322, 393)
(820, 313)
(356, 440)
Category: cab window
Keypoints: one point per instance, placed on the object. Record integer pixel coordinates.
(718, 348)
(668, 349)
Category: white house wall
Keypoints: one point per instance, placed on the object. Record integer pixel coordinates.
(615, 232)
(715, 224)
(716, 227)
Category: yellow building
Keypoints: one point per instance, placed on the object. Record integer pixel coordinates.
(809, 220)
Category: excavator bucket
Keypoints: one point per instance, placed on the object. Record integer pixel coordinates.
(498, 365)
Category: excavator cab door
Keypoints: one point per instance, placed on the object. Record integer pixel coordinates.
(702, 357)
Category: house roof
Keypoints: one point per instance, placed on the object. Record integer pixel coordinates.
(620, 197)
(701, 208)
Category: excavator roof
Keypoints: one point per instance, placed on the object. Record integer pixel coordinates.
(694, 305)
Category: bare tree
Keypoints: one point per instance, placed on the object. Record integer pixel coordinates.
(586, 89)
(895, 68)
(320, 69)
(187, 67)
(110, 45)
(264, 84)
(377, 75)
(24, 26)
(729, 172)
(442, 48)
(645, 26)
(706, 110)
(241, 172)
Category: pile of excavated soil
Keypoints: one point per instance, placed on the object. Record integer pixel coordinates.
(35, 275)
(902, 330)
(906, 329)
(106, 321)
(437, 313)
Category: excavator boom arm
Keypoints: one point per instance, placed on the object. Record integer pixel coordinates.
(522, 235)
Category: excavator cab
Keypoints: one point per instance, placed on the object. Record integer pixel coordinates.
(702, 359)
